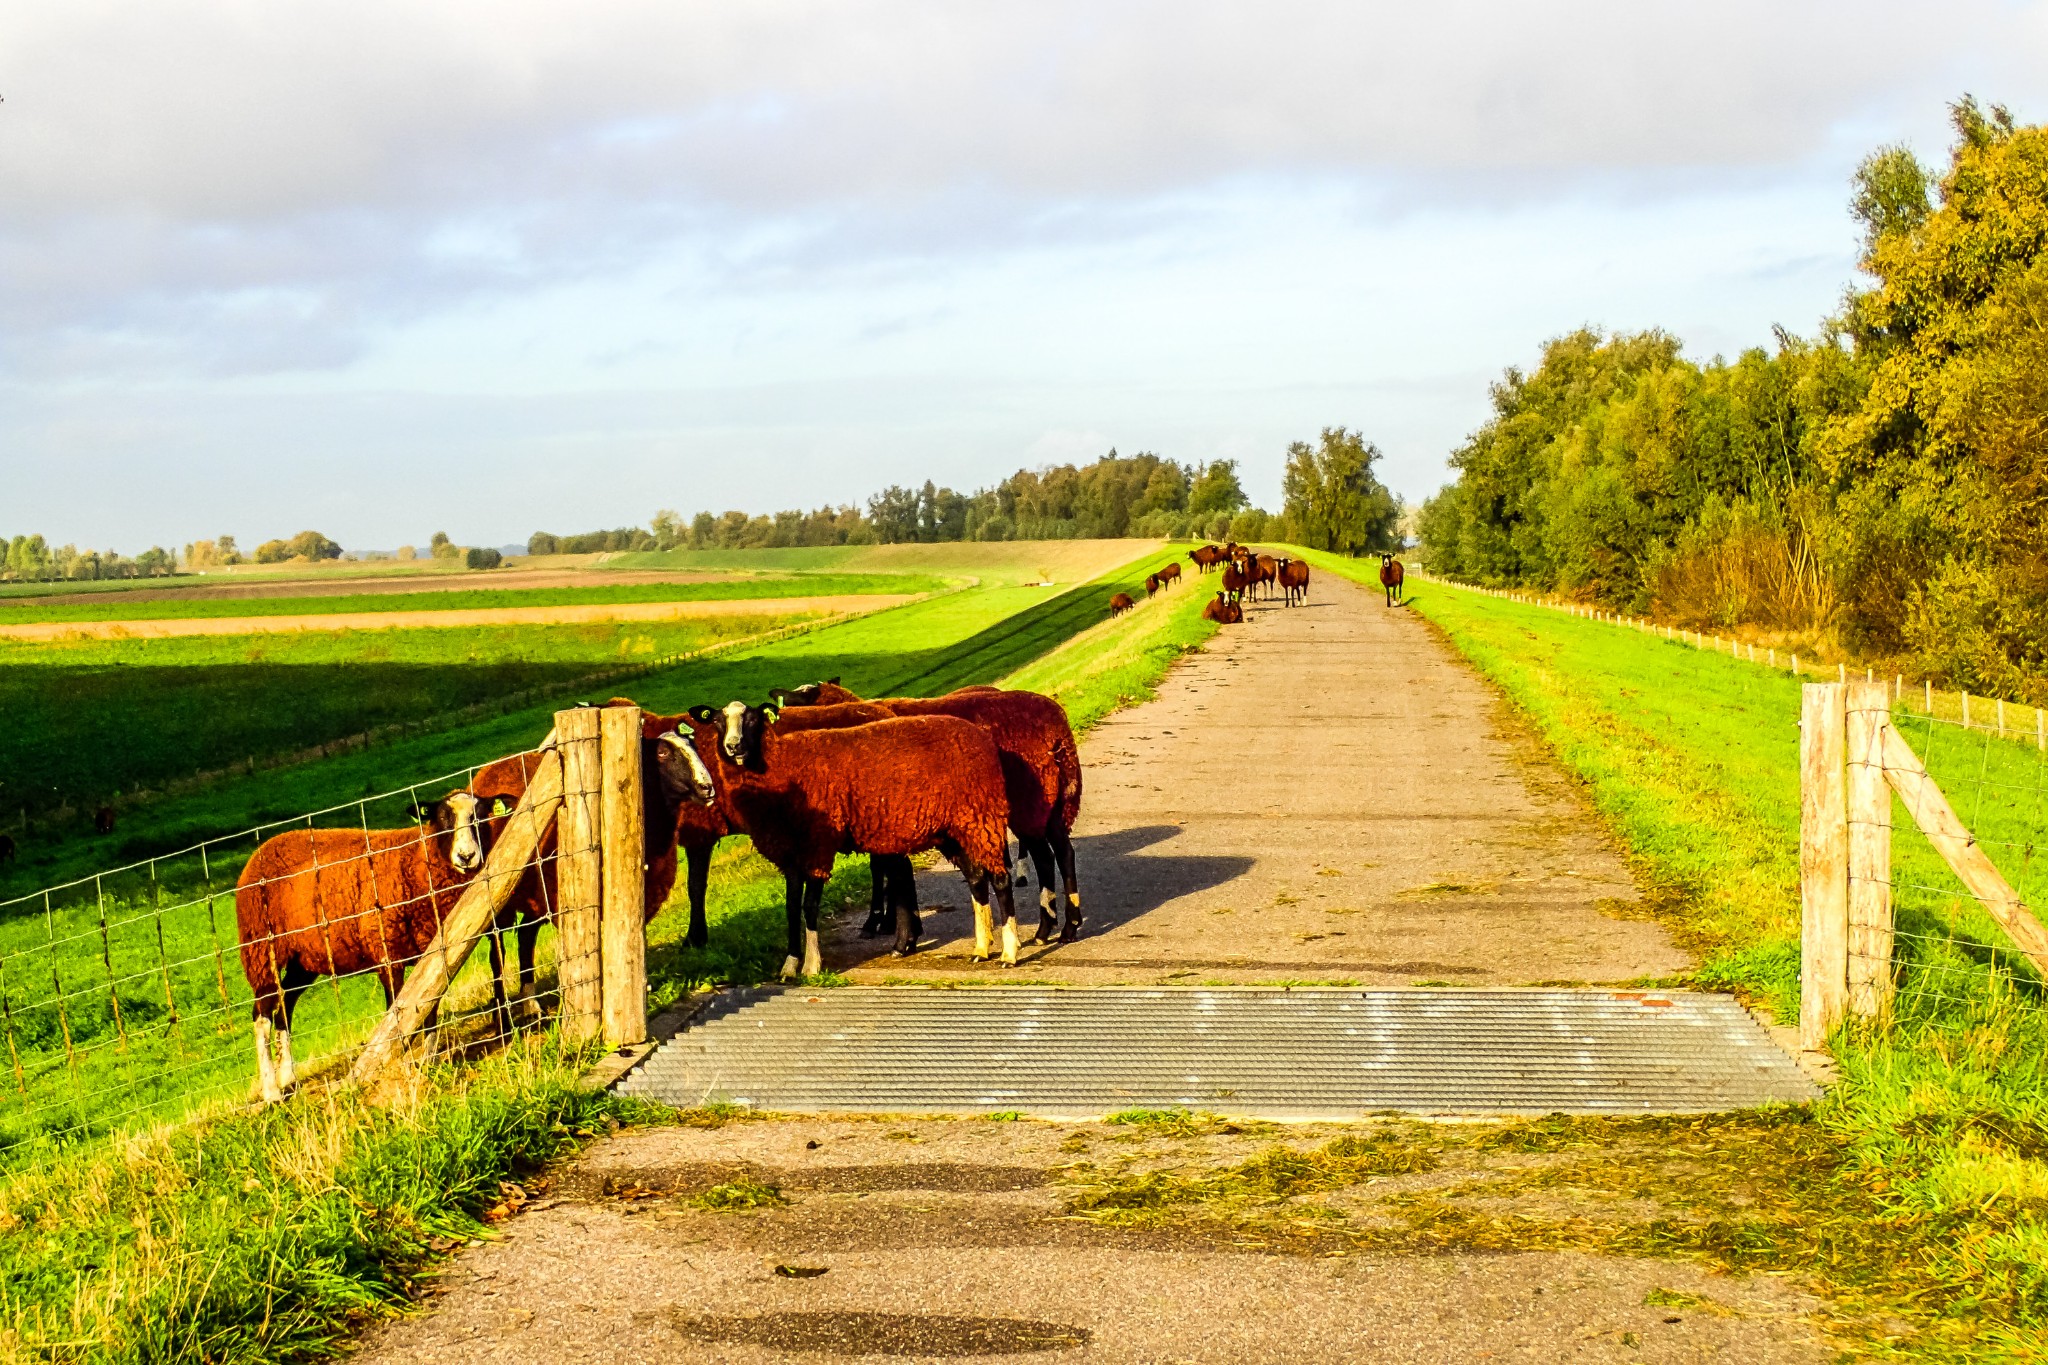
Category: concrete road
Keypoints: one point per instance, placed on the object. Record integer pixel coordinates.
(1326, 793)
(909, 1240)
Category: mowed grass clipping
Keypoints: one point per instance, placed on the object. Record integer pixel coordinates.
(1691, 757)
(270, 1235)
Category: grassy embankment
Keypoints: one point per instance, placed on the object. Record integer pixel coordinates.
(269, 1235)
(1940, 1122)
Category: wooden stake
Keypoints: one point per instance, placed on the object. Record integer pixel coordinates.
(579, 876)
(625, 878)
(474, 912)
(1823, 863)
(1930, 697)
(1937, 820)
(1966, 710)
(1870, 852)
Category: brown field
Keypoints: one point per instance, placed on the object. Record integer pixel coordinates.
(343, 585)
(849, 604)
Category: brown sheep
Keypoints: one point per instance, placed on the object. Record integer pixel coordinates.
(1207, 557)
(1169, 575)
(1294, 580)
(1223, 610)
(1120, 604)
(1042, 780)
(103, 820)
(892, 882)
(679, 812)
(341, 902)
(1264, 569)
(1235, 580)
(1391, 575)
(807, 796)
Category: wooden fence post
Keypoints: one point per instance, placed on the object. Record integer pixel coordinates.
(1823, 863)
(474, 912)
(579, 876)
(1870, 852)
(625, 879)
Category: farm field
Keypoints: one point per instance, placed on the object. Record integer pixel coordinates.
(197, 604)
(1692, 757)
(177, 1015)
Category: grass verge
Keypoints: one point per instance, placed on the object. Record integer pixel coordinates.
(1940, 1119)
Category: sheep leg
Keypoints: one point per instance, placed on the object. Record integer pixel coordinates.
(266, 1073)
(698, 859)
(1017, 877)
(1063, 849)
(880, 871)
(793, 904)
(1048, 902)
(501, 1007)
(902, 897)
(1006, 911)
(814, 899)
(529, 943)
(984, 935)
(295, 983)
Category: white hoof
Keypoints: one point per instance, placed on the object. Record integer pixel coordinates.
(1009, 943)
(814, 961)
(789, 968)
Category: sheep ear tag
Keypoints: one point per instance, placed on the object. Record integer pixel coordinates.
(498, 808)
(771, 712)
(703, 715)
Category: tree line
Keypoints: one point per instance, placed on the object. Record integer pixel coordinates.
(1879, 485)
(1334, 501)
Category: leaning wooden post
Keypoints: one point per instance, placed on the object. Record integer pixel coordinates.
(1870, 852)
(579, 876)
(1960, 850)
(474, 912)
(625, 880)
(1823, 863)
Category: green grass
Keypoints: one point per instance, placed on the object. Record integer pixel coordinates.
(93, 720)
(1691, 758)
(1117, 663)
(271, 1235)
(85, 1059)
(477, 598)
(157, 1249)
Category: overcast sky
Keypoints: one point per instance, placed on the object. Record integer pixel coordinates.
(496, 265)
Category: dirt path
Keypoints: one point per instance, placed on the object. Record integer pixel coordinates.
(937, 1240)
(848, 604)
(1324, 794)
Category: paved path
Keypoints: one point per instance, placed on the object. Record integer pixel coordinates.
(941, 1240)
(1326, 793)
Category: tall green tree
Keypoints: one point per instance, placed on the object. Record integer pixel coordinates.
(1333, 500)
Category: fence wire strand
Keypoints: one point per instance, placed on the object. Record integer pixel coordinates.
(1947, 959)
(118, 1004)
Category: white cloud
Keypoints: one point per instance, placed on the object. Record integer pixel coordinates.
(901, 212)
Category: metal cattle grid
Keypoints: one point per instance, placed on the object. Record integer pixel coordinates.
(1300, 1054)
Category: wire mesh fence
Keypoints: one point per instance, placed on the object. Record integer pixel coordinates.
(133, 996)
(1949, 959)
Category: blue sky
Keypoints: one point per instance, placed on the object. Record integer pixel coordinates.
(384, 268)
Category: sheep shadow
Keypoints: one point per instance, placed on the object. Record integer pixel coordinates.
(1120, 883)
